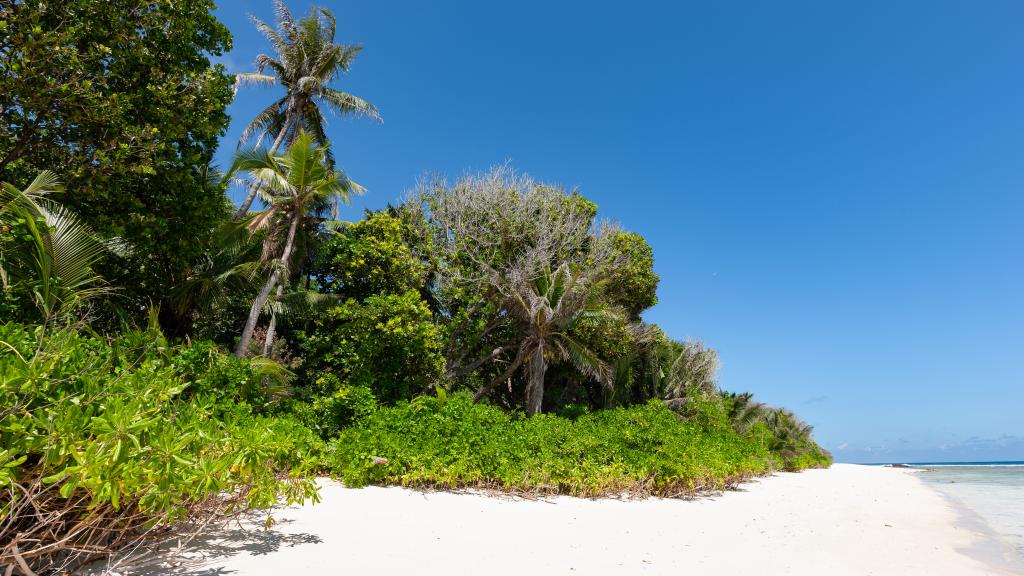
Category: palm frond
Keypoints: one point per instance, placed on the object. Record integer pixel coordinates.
(274, 378)
(44, 184)
(74, 248)
(280, 46)
(314, 123)
(58, 267)
(285, 21)
(245, 79)
(345, 103)
(585, 360)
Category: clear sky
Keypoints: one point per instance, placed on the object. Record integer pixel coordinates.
(832, 189)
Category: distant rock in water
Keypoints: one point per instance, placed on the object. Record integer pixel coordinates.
(899, 465)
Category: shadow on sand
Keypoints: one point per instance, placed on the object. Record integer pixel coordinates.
(204, 554)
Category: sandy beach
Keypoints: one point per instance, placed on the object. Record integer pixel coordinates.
(854, 520)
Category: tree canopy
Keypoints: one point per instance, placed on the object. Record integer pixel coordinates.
(120, 100)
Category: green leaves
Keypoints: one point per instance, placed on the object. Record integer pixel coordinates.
(56, 263)
(129, 434)
(387, 343)
(122, 103)
(452, 442)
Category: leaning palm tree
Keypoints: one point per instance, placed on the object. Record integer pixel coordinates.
(296, 185)
(306, 59)
(56, 265)
(547, 308)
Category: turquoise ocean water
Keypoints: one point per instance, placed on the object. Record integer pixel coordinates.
(992, 490)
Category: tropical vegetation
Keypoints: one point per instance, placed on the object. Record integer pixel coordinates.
(168, 360)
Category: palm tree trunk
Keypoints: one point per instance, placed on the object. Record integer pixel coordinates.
(244, 208)
(268, 344)
(535, 388)
(261, 298)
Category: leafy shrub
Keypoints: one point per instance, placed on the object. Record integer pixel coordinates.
(103, 443)
(335, 406)
(785, 435)
(233, 383)
(380, 342)
(634, 285)
(372, 256)
(643, 450)
(386, 343)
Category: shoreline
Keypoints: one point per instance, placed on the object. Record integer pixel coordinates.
(990, 548)
(848, 519)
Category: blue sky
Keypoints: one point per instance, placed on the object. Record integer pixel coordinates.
(832, 189)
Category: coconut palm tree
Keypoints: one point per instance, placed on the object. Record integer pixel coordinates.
(56, 265)
(743, 411)
(306, 59)
(790, 435)
(547, 308)
(232, 265)
(692, 370)
(296, 185)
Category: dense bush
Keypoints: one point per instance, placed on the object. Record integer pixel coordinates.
(380, 341)
(121, 101)
(234, 384)
(333, 406)
(387, 343)
(643, 450)
(371, 256)
(103, 443)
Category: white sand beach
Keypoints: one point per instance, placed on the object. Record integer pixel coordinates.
(854, 520)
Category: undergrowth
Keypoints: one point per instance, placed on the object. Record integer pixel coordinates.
(104, 444)
(645, 450)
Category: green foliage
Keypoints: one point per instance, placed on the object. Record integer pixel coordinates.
(120, 100)
(779, 429)
(370, 257)
(387, 343)
(633, 284)
(232, 383)
(53, 266)
(334, 406)
(103, 441)
(381, 337)
(645, 449)
(17, 241)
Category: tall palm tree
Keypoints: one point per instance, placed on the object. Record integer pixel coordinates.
(547, 307)
(56, 266)
(306, 59)
(296, 185)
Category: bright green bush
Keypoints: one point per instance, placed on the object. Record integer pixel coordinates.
(386, 343)
(254, 384)
(368, 257)
(102, 442)
(646, 449)
(381, 336)
(334, 406)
